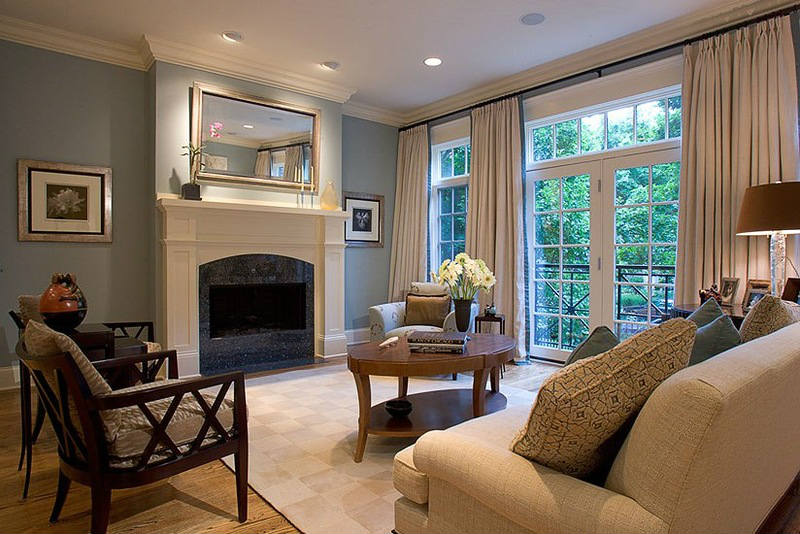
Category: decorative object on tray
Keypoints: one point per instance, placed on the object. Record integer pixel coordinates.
(63, 305)
(730, 286)
(191, 190)
(365, 219)
(398, 407)
(771, 209)
(755, 291)
(710, 293)
(453, 342)
(791, 290)
(490, 310)
(63, 202)
(464, 277)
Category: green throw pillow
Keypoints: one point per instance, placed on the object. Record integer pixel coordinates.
(707, 312)
(600, 340)
(717, 336)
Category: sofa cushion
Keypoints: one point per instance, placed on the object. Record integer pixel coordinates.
(29, 308)
(428, 288)
(134, 430)
(767, 316)
(580, 407)
(713, 338)
(405, 330)
(427, 309)
(600, 340)
(407, 479)
(707, 312)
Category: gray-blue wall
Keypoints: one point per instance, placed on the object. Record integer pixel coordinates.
(61, 108)
(369, 161)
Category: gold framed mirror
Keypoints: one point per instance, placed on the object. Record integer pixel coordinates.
(254, 141)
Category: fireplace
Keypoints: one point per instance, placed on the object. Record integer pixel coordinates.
(256, 313)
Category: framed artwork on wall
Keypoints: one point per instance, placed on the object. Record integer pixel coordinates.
(63, 202)
(364, 224)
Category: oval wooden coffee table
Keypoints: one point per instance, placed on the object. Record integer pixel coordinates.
(432, 410)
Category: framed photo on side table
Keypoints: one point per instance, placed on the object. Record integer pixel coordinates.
(756, 289)
(364, 223)
(728, 290)
(63, 202)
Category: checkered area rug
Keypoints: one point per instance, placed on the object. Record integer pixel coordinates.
(303, 426)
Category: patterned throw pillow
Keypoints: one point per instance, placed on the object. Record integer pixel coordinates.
(29, 308)
(767, 316)
(582, 406)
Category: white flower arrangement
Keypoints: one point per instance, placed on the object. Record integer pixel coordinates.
(464, 276)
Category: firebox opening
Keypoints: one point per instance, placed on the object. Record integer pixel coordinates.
(240, 310)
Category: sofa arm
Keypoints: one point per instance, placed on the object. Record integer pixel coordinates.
(450, 321)
(385, 317)
(533, 496)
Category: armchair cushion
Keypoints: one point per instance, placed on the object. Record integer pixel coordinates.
(407, 479)
(428, 288)
(426, 309)
(135, 431)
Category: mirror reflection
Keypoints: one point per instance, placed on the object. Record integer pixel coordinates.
(245, 139)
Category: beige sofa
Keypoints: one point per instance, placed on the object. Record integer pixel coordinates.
(713, 450)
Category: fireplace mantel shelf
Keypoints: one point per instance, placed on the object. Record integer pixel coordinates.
(165, 202)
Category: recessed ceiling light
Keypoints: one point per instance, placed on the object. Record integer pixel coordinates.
(432, 61)
(232, 36)
(248, 126)
(329, 65)
(532, 19)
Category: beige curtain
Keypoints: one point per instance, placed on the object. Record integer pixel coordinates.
(262, 167)
(739, 129)
(494, 214)
(293, 166)
(410, 229)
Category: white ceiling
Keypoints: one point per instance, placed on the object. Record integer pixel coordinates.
(379, 43)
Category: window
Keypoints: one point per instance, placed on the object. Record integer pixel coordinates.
(277, 161)
(449, 177)
(645, 119)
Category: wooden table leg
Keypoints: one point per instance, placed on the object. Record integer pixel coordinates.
(402, 386)
(495, 379)
(27, 442)
(364, 406)
(479, 392)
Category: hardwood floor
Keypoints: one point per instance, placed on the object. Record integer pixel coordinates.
(201, 500)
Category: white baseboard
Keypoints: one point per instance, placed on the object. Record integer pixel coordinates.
(357, 336)
(9, 376)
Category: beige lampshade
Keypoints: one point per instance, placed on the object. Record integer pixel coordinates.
(770, 208)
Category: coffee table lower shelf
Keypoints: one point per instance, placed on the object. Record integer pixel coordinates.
(432, 410)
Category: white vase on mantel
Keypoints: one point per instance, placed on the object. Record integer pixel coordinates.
(329, 200)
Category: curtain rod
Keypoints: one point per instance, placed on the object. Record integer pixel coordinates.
(598, 70)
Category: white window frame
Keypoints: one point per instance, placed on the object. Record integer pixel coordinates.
(631, 101)
(437, 183)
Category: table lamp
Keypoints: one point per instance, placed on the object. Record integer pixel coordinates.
(773, 210)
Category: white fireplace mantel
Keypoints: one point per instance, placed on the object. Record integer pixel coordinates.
(196, 232)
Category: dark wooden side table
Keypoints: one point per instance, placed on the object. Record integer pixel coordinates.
(497, 318)
(735, 312)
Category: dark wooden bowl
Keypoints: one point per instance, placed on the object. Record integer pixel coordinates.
(399, 407)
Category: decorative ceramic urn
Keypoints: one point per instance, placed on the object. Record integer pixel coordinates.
(63, 305)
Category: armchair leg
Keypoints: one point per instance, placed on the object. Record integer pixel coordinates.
(101, 507)
(37, 424)
(61, 495)
(240, 461)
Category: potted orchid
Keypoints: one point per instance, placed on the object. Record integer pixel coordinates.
(191, 190)
(464, 277)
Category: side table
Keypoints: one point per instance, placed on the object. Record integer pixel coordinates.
(498, 318)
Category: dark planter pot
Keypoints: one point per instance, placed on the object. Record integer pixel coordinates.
(463, 310)
(190, 191)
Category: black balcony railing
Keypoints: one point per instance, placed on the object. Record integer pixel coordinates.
(631, 303)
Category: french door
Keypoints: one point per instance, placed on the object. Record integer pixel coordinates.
(601, 236)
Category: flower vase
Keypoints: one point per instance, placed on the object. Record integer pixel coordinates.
(463, 311)
(329, 200)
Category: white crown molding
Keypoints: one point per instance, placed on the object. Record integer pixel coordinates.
(191, 56)
(675, 30)
(373, 113)
(74, 44)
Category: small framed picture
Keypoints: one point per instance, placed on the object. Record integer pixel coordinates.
(728, 290)
(63, 202)
(756, 289)
(791, 291)
(364, 224)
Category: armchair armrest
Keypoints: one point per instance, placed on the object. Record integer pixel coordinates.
(137, 364)
(533, 496)
(450, 321)
(385, 317)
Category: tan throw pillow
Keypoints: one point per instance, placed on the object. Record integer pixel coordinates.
(579, 408)
(767, 316)
(29, 308)
(426, 309)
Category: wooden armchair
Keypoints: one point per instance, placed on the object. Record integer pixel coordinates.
(137, 435)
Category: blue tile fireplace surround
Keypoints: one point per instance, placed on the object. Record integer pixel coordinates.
(256, 313)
